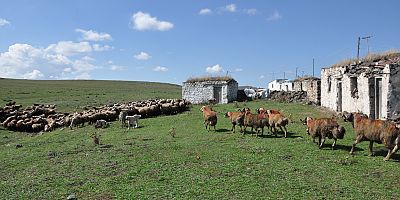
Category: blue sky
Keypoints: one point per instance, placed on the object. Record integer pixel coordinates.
(170, 41)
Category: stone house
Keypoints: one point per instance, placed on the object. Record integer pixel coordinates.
(370, 86)
(202, 90)
(310, 85)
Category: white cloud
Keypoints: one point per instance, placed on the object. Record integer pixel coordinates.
(35, 74)
(69, 48)
(160, 69)
(214, 69)
(251, 11)
(3, 22)
(238, 70)
(230, 8)
(261, 77)
(98, 47)
(275, 16)
(117, 68)
(142, 56)
(26, 61)
(205, 11)
(143, 21)
(93, 35)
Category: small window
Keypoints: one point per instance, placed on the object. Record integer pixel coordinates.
(301, 86)
(329, 83)
(353, 87)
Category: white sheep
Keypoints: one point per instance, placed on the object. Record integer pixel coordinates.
(133, 120)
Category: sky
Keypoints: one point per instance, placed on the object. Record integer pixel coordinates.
(253, 41)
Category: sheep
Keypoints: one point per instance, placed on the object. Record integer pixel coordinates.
(236, 118)
(133, 121)
(375, 130)
(122, 117)
(210, 117)
(100, 123)
(322, 128)
(278, 120)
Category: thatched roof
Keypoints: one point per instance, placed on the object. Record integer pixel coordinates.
(209, 78)
(391, 55)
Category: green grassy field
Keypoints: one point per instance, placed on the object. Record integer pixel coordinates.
(147, 163)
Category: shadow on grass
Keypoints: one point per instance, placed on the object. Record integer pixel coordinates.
(382, 152)
(222, 130)
(328, 146)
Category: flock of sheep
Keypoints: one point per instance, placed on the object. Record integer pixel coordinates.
(373, 130)
(38, 117)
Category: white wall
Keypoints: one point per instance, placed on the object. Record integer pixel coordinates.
(276, 85)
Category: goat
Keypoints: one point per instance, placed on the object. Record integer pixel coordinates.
(322, 128)
(210, 117)
(278, 120)
(236, 118)
(375, 130)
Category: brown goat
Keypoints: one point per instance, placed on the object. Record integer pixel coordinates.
(236, 118)
(210, 117)
(278, 120)
(375, 130)
(322, 128)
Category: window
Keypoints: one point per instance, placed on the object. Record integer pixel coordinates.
(329, 83)
(353, 87)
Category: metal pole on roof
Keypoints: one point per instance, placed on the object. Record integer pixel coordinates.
(366, 38)
(296, 71)
(358, 49)
(313, 67)
(284, 75)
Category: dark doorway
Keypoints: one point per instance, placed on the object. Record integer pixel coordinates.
(339, 96)
(378, 98)
(218, 94)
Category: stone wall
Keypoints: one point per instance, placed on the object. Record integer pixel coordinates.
(202, 92)
(312, 87)
(361, 99)
(394, 92)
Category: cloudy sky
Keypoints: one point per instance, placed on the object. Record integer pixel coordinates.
(170, 41)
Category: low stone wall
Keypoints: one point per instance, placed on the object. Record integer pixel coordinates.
(291, 96)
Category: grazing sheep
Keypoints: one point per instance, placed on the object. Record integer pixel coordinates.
(322, 128)
(122, 117)
(210, 117)
(133, 121)
(375, 130)
(100, 123)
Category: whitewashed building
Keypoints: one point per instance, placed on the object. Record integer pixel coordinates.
(280, 85)
(371, 87)
(203, 90)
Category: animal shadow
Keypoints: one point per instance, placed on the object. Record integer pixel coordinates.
(222, 130)
(382, 152)
(340, 147)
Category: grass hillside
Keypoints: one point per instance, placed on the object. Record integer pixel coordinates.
(147, 163)
(72, 95)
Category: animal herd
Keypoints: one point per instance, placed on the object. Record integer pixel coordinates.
(38, 118)
(44, 118)
(383, 132)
